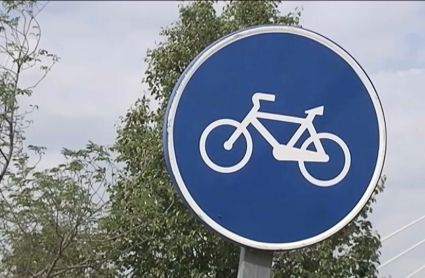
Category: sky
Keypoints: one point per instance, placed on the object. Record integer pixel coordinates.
(102, 46)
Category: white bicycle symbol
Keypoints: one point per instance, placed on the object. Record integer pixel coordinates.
(281, 152)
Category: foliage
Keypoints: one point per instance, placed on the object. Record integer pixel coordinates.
(159, 238)
(20, 36)
(49, 219)
(49, 222)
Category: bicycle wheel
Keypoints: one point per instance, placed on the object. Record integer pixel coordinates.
(206, 158)
(344, 171)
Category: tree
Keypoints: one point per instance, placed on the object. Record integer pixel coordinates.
(49, 220)
(161, 238)
(50, 226)
(20, 36)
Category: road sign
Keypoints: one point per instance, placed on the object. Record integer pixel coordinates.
(274, 137)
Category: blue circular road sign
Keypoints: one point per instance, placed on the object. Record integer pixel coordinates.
(274, 137)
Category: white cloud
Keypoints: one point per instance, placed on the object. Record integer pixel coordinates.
(402, 202)
(375, 33)
(103, 45)
(404, 101)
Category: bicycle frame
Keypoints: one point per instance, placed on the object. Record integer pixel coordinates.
(253, 116)
(280, 152)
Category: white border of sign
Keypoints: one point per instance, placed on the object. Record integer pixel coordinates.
(172, 108)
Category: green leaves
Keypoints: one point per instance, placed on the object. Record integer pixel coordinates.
(51, 220)
(18, 26)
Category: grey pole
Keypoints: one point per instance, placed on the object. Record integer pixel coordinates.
(255, 263)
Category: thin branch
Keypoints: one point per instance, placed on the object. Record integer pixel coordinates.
(41, 9)
(55, 261)
(5, 157)
(129, 230)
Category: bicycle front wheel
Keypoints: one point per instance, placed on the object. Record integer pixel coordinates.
(345, 168)
(207, 159)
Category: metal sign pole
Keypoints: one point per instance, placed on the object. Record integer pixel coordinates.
(255, 263)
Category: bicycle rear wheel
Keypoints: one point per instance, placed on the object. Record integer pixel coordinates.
(207, 159)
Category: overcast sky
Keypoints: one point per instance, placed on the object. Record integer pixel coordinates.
(102, 46)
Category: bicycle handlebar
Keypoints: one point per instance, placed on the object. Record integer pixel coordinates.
(262, 96)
